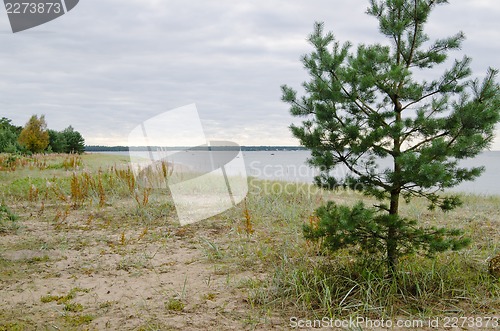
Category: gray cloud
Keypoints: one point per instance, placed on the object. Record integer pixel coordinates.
(109, 65)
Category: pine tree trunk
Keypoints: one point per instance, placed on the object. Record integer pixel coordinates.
(392, 245)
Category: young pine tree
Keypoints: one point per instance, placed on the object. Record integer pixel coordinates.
(371, 104)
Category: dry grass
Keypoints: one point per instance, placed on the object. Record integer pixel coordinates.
(82, 246)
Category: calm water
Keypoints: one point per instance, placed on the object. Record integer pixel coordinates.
(291, 166)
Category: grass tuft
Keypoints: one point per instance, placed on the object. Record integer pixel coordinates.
(174, 305)
(8, 220)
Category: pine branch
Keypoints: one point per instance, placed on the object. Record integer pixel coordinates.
(428, 140)
(421, 99)
(414, 41)
(357, 102)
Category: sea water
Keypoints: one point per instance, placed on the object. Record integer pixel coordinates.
(292, 166)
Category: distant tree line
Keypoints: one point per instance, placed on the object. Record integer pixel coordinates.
(9, 134)
(34, 137)
(180, 148)
(106, 148)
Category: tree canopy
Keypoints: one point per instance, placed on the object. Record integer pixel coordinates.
(8, 136)
(34, 136)
(74, 141)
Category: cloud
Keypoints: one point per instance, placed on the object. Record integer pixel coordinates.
(107, 66)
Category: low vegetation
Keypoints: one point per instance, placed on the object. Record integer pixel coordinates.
(83, 247)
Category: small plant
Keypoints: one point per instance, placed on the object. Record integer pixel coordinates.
(9, 162)
(33, 193)
(7, 220)
(78, 320)
(63, 299)
(88, 181)
(174, 304)
(72, 162)
(143, 233)
(101, 191)
(123, 239)
(213, 251)
(127, 176)
(38, 259)
(313, 225)
(90, 218)
(78, 190)
(248, 220)
(107, 304)
(58, 192)
(50, 298)
(62, 216)
(73, 307)
(494, 266)
(167, 170)
(142, 200)
(7, 214)
(209, 296)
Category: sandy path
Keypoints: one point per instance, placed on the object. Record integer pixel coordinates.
(164, 280)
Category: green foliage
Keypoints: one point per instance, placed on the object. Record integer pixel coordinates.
(78, 320)
(8, 136)
(66, 141)
(367, 229)
(74, 141)
(73, 307)
(57, 142)
(7, 220)
(369, 104)
(34, 137)
(174, 304)
(343, 288)
(6, 214)
(8, 161)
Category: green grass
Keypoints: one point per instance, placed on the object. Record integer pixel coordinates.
(174, 305)
(63, 299)
(303, 280)
(8, 220)
(73, 307)
(78, 320)
(340, 287)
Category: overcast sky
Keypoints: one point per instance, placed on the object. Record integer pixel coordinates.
(109, 65)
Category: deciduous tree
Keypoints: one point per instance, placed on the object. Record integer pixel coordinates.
(34, 136)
